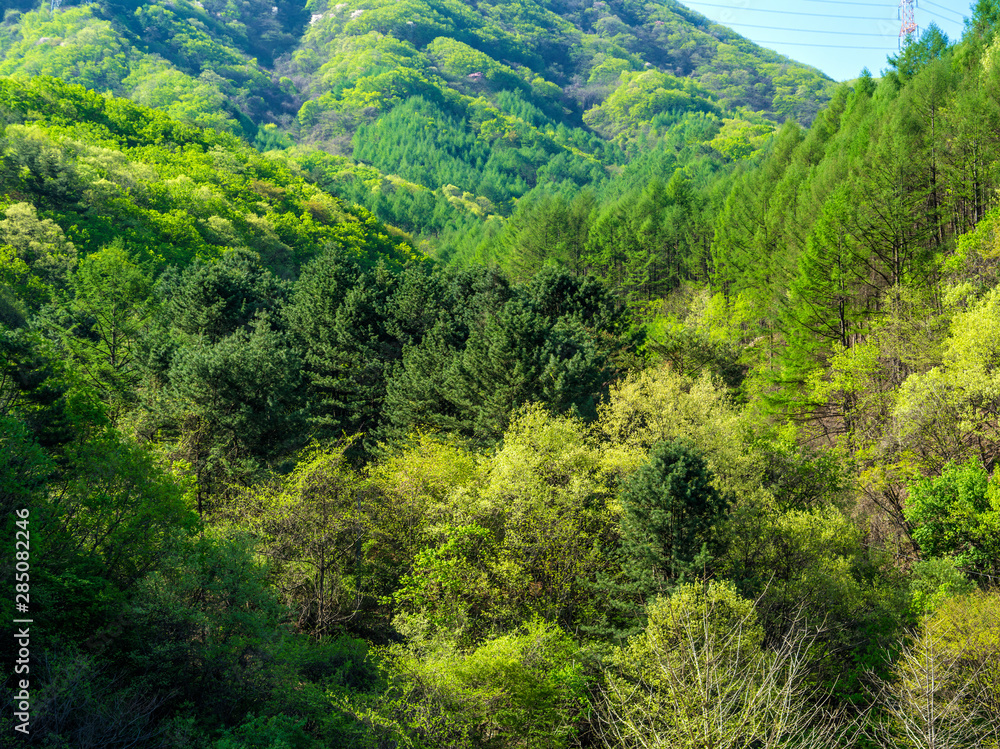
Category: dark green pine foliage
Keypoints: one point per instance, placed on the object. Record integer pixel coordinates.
(666, 535)
(670, 515)
(34, 387)
(555, 293)
(421, 393)
(215, 300)
(417, 395)
(236, 402)
(224, 381)
(553, 342)
(338, 319)
(519, 357)
(475, 295)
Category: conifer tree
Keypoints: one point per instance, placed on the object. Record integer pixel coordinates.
(336, 315)
(102, 323)
(215, 299)
(748, 249)
(670, 513)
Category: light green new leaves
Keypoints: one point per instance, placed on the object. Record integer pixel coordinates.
(311, 528)
(700, 676)
(520, 538)
(952, 411)
(658, 405)
(524, 689)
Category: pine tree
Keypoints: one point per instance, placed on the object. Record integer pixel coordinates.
(215, 299)
(336, 316)
(671, 511)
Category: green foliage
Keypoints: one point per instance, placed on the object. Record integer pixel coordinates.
(526, 687)
(936, 580)
(670, 513)
(917, 53)
(507, 76)
(207, 618)
(945, 690)
(338, 318)
(168, 192)
(700, 675)
(500, 98)
(178, 58)
(102, 323)
(80, 705)
(542, 345)
(639, 97)
(276, 732)
(182, 314)
(457, 60)
(24, 469)
(952, 402)
(522, 536)
(312, 528)
(957, 515)
(455, 587)
(217, 299)
(811, 568)
(741, 139)
(659, 405)
(117, 507)
(231, 406)
(647, 242)
(37, 258)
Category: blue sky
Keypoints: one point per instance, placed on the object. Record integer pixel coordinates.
(839, 38)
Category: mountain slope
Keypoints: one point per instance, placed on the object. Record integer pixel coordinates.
(205, 63)
(79, 171)
(445, 111)
(585, 51)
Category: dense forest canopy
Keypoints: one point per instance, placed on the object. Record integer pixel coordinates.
(436, 116)
(445, 374)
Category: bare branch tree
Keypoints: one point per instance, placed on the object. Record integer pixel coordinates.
(700, 677)
(945, 694)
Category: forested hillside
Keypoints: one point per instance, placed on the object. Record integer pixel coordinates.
(437, 116)
(515, 375)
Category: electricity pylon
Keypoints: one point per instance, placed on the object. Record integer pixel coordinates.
(908, 26)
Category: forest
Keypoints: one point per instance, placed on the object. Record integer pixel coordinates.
(515, 374)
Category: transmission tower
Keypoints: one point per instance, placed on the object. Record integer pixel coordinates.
(909, 20)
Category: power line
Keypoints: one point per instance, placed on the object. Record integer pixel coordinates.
(869, 5)
(936, 15)
(833, 2)
(807, 31)
(791, 12)
(810, 44)
(837, 2)
(928, 2)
